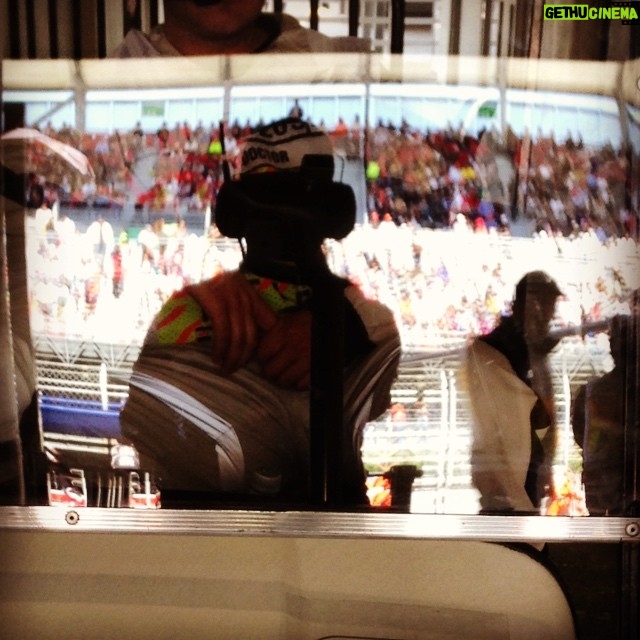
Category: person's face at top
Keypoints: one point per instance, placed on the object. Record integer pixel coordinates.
(539, 312)
(201, 27)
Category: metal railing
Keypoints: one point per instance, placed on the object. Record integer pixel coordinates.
(435, 436)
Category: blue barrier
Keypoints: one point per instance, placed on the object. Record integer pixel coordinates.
(80, 417)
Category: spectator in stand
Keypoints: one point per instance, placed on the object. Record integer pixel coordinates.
(65, 228)
(296, 110)
(44, 219)
(100, 236)
(117, 278)
(511, 394)
(198, 27)
(163, 134)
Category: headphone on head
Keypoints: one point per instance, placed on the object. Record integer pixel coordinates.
(305, 200)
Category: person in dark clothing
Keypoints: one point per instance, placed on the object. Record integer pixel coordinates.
(602, 418)
(225, 369)
(511, 394)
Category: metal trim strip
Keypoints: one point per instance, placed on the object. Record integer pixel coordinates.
(315, 524)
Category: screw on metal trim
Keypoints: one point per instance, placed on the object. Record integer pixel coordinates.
(632, 529)
(72, 517)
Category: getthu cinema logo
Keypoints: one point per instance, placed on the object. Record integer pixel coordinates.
(627, 12)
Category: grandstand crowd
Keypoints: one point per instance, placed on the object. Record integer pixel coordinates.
(437, 248)
(425, 178)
